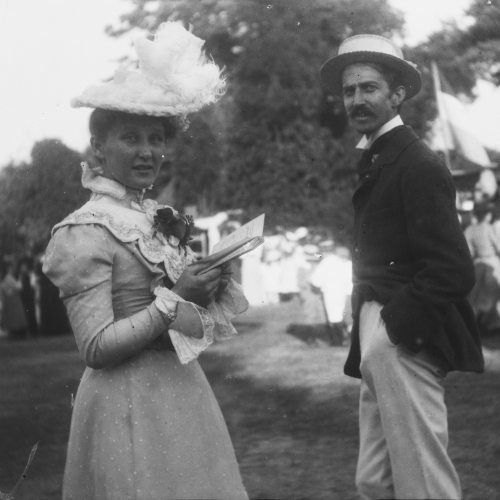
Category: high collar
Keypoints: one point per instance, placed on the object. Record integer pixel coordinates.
(100, 186)
(367, 141)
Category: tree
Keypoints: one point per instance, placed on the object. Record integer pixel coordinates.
(37, 195)
(462, 54)
(274, 153)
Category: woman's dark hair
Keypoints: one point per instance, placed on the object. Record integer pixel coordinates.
(102, 120)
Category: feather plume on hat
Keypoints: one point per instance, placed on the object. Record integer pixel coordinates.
(174, 78)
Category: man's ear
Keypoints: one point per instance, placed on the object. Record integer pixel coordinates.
(97, 148)
(398, 96)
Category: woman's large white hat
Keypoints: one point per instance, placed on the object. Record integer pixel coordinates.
(370, 48)
(174, 78)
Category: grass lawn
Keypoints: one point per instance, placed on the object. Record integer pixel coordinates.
(291, 412)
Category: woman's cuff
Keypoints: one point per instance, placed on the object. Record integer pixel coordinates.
(166, 302)
(229, 303)
(187, 348)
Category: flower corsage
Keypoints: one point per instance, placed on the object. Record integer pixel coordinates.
(172, 224)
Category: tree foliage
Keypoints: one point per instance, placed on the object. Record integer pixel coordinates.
(271, 144)
(462, 54)
(35, 196)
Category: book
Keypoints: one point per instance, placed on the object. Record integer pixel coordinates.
(243, 240)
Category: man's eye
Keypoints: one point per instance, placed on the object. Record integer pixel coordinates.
(130, 138)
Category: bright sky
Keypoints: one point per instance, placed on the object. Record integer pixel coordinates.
(53, 49)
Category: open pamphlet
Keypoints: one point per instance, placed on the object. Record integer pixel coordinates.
(236, 244)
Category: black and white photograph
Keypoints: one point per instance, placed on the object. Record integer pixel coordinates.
(250, 249)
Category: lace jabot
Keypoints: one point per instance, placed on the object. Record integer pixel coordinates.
(129, 218)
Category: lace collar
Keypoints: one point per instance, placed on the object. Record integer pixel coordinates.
(130, 219)
(99, 185)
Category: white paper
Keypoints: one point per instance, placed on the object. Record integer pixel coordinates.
(250, 230)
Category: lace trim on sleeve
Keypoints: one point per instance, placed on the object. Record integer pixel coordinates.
(187, 348)
(230, 302)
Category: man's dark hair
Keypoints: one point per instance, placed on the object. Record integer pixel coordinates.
(393, 77)
(102, 120)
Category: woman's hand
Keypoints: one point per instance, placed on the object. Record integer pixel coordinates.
(225, 276)
(196, 288)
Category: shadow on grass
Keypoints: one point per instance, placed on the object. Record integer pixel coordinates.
(310, 334)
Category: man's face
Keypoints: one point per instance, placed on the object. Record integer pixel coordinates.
(368, 100)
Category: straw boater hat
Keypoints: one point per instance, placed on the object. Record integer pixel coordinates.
(374, 49)
(174, 78)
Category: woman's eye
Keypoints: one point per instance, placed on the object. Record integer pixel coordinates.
(157, 138)
(130, 137)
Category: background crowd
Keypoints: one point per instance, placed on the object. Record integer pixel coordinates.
(305, 265)
(29, 303)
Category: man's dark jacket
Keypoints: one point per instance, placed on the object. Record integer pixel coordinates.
(410, 255)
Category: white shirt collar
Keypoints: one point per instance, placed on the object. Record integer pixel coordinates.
(366, 142)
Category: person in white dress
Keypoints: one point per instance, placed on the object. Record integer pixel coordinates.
(145, 424)
(333, 277)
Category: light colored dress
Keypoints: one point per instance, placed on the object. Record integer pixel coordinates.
(333, 276)
(484, 246)
(146, 424)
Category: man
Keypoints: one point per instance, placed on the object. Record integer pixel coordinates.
(412, 272)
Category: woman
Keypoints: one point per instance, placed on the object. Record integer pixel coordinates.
(145, 422)
(485, 250)
(27, 294)
(13, 318)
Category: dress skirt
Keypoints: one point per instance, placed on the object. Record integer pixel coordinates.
(149, 428)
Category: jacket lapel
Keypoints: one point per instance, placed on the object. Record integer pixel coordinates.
(398, 143)
(401, 139)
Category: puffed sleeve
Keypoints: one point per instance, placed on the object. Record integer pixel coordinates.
(79, 261)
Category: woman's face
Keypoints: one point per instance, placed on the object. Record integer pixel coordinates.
(133, 151)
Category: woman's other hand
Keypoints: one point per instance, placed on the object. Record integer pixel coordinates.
(196, 288)
(225, 276)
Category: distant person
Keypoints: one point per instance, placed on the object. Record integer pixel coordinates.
(333, 277)
(292, 260)
(13, 318)
(53, 317)
(484, 245)
(145, 421)
(412, 272)
(271, 266)
(27, 293)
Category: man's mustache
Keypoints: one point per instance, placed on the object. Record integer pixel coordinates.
(360, 110)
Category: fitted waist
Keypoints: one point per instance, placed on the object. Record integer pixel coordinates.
(161, 343)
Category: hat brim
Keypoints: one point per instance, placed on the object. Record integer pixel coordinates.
(331, 71)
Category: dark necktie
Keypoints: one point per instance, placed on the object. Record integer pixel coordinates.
(366, 160)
